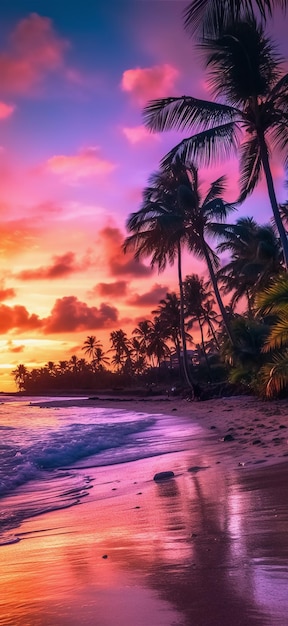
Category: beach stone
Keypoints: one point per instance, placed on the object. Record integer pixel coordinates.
(105, 556)
(197, 468)
(163, 476)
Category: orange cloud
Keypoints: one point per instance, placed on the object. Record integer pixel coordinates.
(150, 298)
(15, 349)
(63, 265)
(71, 315)
(149, 83)
(118, 262)
(137, 134)
(17, 318)
(6, 110)
(116, 290)
(87, 163)
(35, 49)
(6, 294)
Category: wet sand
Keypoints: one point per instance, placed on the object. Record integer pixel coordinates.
(208, 547)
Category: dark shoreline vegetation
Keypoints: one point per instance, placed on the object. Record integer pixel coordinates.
(242, 346)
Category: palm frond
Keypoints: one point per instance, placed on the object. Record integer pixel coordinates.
(215, 143)
(274, 375)
(250, 167)
(275, 297)
(278, 335)
(184, 112)
(216, 190)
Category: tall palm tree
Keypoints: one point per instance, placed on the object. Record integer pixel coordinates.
(211, 16)
(90, 346)
(100, 360)
(20, 375)
(172, 216)
(255, 258)
(245, 70)
(121, 345)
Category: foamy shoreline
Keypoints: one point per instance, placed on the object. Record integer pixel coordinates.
(241, 430)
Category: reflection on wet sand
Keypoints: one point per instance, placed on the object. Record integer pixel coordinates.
(206, 548)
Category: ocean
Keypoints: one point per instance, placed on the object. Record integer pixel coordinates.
(43, 449)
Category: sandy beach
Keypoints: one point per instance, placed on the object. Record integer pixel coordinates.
(208, 547)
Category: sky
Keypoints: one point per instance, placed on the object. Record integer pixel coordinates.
(74, 159)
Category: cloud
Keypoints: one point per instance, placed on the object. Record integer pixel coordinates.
(108, 290)
(86, 164)
(137, 134)
(6, 110)
(70, 315)
(62, 265)
(6, 294)
(120, 264)
(149, 83)
(35, 49)
(10, 346)
(149, 298)
(17, 318)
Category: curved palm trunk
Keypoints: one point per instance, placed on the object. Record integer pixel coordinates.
(217, 292)
(182, 324)
(204, 350)
(272, 197)
(212, 330)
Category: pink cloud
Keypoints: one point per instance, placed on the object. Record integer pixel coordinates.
(137, 134)
(6, 110)
(70, 315)
(149, 83)
(149, 298)
(61, 266)
(120, 264)
(35, 50)
(87, 163)
(115, 290)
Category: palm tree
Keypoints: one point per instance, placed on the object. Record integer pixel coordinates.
(211, 16)
(122, 348)
(157, 342)
(273, 301)
(20, 375)
(245, 69)
(255, 258)
(172, 216)
(100, 360)
(168, 314)
(159, 230)
(90, 346)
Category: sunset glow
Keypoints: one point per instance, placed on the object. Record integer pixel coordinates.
(74, 158)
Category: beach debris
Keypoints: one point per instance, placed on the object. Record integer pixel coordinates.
(228, 438)
(163, 476)
(105, 556)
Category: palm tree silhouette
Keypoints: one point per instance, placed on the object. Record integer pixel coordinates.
(212, 16)
(245, 69)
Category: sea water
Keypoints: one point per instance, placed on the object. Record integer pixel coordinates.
(41, 449)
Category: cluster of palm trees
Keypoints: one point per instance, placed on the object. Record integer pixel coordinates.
(248, 116)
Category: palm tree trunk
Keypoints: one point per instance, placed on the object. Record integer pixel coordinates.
(217, 292)
(204, 351)
(182, 323)
(272, 197)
